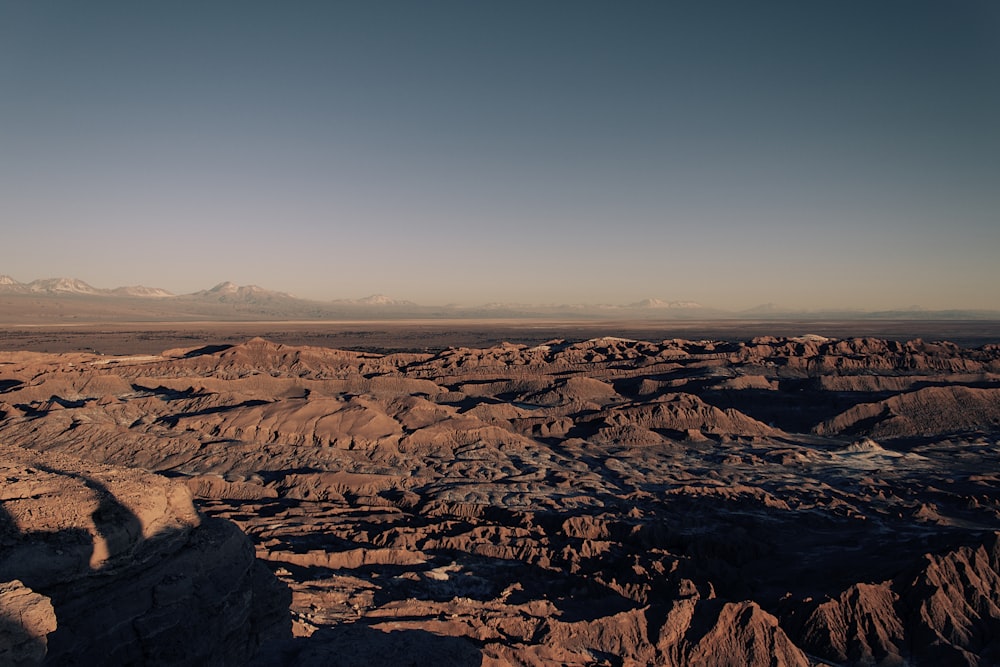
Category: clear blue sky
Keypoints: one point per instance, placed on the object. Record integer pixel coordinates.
(812, 154)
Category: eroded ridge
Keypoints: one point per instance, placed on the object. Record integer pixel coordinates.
(777, 501)
(112, 565)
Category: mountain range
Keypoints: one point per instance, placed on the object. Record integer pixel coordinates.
(59, 300)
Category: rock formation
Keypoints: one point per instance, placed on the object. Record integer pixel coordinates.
(787, 501)
(109, 565)
(26, 619)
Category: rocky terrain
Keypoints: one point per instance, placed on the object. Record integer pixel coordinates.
(110, 565)
(777, 501)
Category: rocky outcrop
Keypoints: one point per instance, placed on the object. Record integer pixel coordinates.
(743, 634)
(130, 572)
(602, 502)
(820, 357)
(26, 619)
(926, 412)
(860, 626)
(946, 613)
(953, 605)
(684, 413)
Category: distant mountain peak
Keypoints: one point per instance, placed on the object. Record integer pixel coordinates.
(7, 280)
(225, 287)
(229, 287)
(383, 300)
(766, 309)
(142, 291)
(660, 303)
(62, 285)
(375, 300)
(229, 291)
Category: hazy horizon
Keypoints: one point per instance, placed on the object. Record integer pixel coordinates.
(712, 310)
(815, 156)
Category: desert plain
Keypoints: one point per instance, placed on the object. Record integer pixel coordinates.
(501, 493)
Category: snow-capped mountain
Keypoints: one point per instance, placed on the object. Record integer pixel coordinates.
(62, 286)
(661, 304)
(142, 292)
(374, 300)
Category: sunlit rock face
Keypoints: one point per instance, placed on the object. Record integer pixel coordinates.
(609, 501)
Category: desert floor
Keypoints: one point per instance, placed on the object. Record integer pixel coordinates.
(503, 492)
(434, 335)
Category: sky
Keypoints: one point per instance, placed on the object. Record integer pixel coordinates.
(827, 154)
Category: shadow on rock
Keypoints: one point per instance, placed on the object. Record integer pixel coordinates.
(165, 587)
(357, 644)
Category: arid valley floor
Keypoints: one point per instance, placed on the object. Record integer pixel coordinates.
(746, 493)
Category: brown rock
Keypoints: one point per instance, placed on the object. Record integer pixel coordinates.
(133, 572)
(26, 619)
(860, 627)
(743, 634)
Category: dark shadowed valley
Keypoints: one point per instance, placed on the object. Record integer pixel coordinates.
(604, 500)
